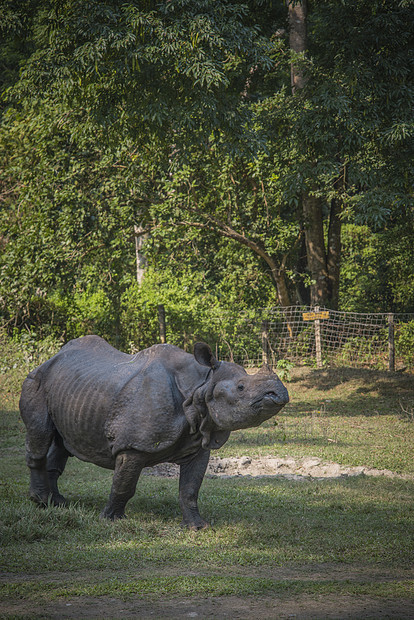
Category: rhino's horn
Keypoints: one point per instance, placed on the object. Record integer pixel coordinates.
(265, 369)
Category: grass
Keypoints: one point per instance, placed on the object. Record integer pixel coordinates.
(207, 585)
(261, 528)
(349, 416)
(255, 523)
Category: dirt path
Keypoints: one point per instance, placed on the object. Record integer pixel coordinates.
(288, 605)
(300, 607)
(293, 469)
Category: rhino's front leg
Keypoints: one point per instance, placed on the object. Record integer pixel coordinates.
(191, 476)
(128, 466)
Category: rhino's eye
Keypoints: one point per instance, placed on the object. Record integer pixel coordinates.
(240, 387)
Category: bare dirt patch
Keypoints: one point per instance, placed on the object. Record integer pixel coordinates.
(301, 607)
(290, 468)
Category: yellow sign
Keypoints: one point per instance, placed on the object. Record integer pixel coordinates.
(313, 316)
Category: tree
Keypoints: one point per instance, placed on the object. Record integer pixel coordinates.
(111, 95)
(180, 117)
(354, 102)
(234, 198)
(323, 158)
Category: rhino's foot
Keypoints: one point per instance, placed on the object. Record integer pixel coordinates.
(40, 499)
(112, 515)
(50, 499)
(196, 526)
(58, 500)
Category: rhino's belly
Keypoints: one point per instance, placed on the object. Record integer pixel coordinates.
(80, 416)
(102, 458)
(85, 440)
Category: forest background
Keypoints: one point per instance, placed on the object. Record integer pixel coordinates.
(211, 156)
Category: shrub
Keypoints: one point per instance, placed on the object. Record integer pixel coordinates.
(404, 342)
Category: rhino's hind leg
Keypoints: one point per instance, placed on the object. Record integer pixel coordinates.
(128, 466)
(191, 476)
(39, 436)
(56, 461)
(39, 490)
(37, 446)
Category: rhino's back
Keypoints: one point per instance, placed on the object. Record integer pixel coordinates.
(103, 401)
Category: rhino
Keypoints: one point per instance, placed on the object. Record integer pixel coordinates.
(126, 412)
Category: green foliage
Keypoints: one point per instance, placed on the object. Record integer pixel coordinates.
(19, 355)
(178, 117)
(404, 342)
(192, 314)
(283, 368)
(25, 349)
(377, 267)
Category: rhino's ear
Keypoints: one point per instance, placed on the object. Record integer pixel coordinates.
(204, 355)
(265, 369)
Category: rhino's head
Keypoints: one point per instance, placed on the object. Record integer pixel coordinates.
(231, 399)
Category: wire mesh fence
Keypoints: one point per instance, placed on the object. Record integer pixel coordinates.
(317, 336)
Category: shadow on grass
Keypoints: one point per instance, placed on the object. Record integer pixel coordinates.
(267, 522)
(383, 382)
(283, 440)
(325, 521)
(350, 406)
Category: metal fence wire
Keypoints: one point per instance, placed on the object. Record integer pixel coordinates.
(321, 337)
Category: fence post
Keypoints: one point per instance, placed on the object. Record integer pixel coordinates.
(161, 323)
(391, 344)
(318, 344)
(265, 343)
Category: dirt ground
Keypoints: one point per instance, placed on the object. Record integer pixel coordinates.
(299, 608)
(295, 606)
(293, 469)
(243, 608)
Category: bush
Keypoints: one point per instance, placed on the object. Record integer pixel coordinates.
(25, 351)
(191, 315)
(404, 342)
(19, 355)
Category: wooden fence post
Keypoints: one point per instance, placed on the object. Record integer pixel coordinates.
(161, 323)
(265, 343)
(318, 343)
(391, 343)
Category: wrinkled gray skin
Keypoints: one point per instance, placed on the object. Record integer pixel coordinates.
(126, 412)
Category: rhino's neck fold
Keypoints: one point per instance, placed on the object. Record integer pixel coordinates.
(199, 419)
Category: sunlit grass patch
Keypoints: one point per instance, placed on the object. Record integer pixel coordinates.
(342, 415)
(193, 585)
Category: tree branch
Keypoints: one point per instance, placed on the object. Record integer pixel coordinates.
(277, 272)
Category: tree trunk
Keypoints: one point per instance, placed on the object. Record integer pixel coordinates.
(312, 206)
(315, 249)
(141, 261)
(333, 261)
(297, 39)
(302, 291)
(278, 277)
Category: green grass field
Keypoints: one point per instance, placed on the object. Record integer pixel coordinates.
(273, 543)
